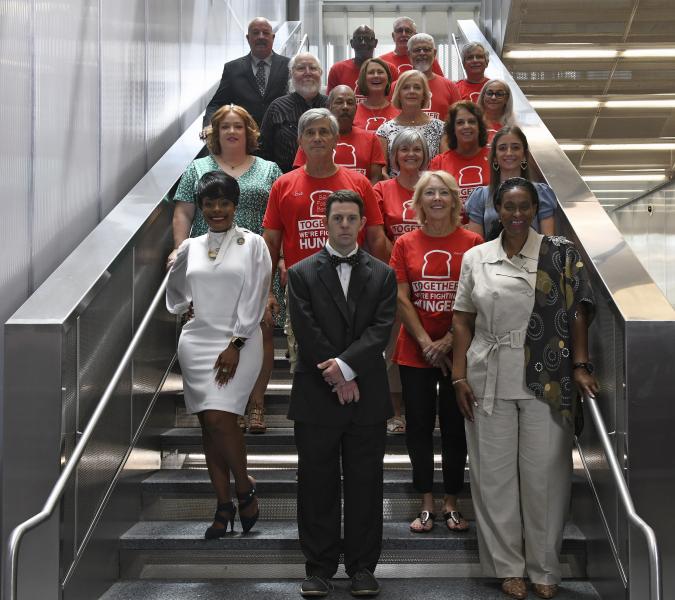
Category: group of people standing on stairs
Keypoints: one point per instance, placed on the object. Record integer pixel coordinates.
(378, 253)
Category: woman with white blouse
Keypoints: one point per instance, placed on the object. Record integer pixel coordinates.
(225, 275)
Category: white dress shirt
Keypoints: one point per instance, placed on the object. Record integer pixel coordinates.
(344, 272)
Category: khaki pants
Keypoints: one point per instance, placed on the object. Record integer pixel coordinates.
(520, 460)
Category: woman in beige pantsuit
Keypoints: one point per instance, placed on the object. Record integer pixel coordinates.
(520, 344)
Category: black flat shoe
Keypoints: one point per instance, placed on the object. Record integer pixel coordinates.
(364, 584)
(315, 586)
(248, 522)
(216, 532)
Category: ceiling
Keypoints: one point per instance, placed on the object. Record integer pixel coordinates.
(627, 142)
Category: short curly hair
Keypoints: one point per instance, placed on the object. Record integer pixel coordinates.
(252, 131)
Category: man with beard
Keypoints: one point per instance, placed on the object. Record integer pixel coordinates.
(444, 93)
(475, 60)
(346, 72)
(403, 29)
(254, 80)
(357, 149)
(279, 130)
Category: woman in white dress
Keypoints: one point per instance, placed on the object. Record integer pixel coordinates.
(225, 274)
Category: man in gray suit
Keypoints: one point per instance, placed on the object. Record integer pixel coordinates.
(342, 303)
(253, 80)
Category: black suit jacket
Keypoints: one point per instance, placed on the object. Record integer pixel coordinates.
(356, 330)
(238, 86)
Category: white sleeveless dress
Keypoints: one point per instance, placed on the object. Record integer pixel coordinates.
(229, 296)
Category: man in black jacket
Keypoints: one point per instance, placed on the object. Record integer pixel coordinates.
(342, 303)
(254, 80)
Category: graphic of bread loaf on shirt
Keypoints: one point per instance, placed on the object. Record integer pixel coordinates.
(372, 123)
(404, 67)
(436, 264)
(344, 155)
(470, 177)
(474, 97)
(409, 214)
(317, 206)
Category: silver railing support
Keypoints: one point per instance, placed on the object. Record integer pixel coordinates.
(10, 565)
(655, 584)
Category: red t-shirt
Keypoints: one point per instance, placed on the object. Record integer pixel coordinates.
(431, 267)
(356, 150)
(402, 63)
(444, 94)
(371, 118)
(297, 205)
(470, 172)
(470, 91)
(492, 129)
(395, 203)
(346, 72)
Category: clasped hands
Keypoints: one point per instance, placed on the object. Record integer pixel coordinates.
(347, 391)
(436, 352)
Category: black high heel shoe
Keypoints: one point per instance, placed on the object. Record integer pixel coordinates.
(216, 532)
(248, 522)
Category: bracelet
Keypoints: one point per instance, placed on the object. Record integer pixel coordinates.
(455, 381)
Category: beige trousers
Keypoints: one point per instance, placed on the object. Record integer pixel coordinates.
(520, 461)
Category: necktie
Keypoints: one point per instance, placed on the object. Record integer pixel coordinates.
(260, 77)
(352, 260)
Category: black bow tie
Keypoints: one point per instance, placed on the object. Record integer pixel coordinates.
(352, 260)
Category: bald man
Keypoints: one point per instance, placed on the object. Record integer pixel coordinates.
(255, 80)
(346, 72)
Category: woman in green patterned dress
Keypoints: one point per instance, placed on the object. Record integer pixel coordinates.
(233, 137)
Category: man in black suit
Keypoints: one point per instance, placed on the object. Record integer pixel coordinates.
(254, 80)
(342, 303)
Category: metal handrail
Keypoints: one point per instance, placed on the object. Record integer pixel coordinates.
(459, 54)
(655, 583)
(303, 42)
(282, 48)
(10, 564)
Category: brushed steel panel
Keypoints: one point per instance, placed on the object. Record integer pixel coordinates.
(194, 23)
(66, 131)
(123, 90)
(163, 81)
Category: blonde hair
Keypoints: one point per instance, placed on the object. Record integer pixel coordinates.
(450, 183)
(252, 131)
(402, 79)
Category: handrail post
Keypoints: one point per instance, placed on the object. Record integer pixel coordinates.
(655, 583)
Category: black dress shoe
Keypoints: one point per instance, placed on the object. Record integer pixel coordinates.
(315, 585)
(364, 584)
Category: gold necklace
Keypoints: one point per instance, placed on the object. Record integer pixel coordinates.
(233, 167)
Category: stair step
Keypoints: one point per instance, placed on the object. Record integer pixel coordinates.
(430, 588)
(277, 439)
(177, 549)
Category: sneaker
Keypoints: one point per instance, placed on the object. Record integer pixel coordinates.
(364, 584)
(314, 586)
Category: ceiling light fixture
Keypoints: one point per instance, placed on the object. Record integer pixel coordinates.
(643, 177)
(561, 54)
(553, 104)
(640, 103)
(636, 146)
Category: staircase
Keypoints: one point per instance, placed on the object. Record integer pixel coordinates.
(165, 555)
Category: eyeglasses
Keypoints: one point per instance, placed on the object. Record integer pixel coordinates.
(363, 39)
(403, 30)
(475, 57)
(497, 94)
(422, 50)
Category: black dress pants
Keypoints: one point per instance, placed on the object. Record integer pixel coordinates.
(426, 391)
(321, 451)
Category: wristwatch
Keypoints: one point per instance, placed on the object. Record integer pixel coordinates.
(584, 365)
(238, 342)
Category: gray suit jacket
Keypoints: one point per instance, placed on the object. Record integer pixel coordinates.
(355, 329)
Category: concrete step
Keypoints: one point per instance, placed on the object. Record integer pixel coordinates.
(177, 549)
(432, 588)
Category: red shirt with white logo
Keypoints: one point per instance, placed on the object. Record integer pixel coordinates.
(396, 207)
(371, 118)
(469, 171)
(431, 267)
(492, 129)
(297, 206)
(470, 91)
(444, 94)
(402, 64)
(346, 72)
(356, 150)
